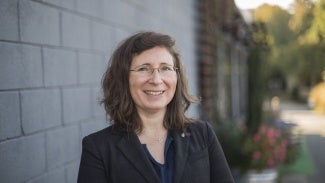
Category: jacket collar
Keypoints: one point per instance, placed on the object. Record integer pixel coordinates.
(131, 147)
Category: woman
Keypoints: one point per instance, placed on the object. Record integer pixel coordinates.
(150, 139)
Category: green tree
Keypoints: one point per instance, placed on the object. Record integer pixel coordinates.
(308, 49)
(258, 55)
(315, 32)
(297, 41)
(276, 20)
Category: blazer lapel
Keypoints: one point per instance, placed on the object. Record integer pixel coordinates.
(181, 142)
(130, 146)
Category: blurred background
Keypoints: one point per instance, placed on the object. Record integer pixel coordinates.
(258, 68)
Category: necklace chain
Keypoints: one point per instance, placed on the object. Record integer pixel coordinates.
(154, 140)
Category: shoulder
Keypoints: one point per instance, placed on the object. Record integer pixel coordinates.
(100, 134)
(104, 136)
(199, 126)
(201, 131)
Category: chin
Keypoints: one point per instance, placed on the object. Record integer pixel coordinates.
(155, 108)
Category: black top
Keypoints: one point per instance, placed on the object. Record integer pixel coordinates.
(115, 156)
(164, 171)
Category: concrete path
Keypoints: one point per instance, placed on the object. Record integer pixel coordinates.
(312, 127)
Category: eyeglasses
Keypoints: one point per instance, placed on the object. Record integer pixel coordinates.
(147, 70)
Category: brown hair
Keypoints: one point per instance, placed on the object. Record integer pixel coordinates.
(115, 83)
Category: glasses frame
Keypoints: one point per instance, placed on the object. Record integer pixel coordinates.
(152, 69)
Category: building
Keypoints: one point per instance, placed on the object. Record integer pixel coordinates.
(223, 41)
(53, 54)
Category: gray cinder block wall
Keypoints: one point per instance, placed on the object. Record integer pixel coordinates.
(52, 56)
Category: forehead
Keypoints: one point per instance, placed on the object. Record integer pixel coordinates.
(154, 56)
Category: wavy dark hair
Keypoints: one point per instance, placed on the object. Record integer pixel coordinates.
(117, 99)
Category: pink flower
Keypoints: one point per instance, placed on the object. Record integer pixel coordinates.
(279, 154)
(262, 129)
(267, 147)
(256, 155)
(271, 140)
(271, 133)
(270, 162)
(284, 143)
(277, 133)
(256, 138)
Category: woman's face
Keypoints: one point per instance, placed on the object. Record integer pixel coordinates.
(151, 88)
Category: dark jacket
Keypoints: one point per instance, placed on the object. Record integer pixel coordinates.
(113, 156)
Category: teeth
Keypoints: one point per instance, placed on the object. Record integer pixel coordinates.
(154, 92)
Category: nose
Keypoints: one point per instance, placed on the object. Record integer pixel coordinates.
(156, 77)
(153, 70)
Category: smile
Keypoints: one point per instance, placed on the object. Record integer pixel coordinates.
(151, 92)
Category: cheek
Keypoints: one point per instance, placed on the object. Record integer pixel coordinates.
(131, 87)
(173, 87)
(135, 85)
(174, 83)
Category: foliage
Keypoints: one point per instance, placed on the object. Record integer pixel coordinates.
(231, 137)
(306, 63)
(275, 18)
(315, 33)
(267, 148)
(297, 42)
(302, 17)
(258, 56)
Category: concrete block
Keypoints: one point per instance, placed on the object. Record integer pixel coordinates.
(9, 20)
(22, 159)
(147, 21)
(126, 15)
(54, 176)
(147, 14)
(92, 126)
(9, 115)
(102, 37)
(150, 6)
(60, 67)
(120, 12)
(72, 171)
(76, 104)
(70, 4)
(121, 34)
(75, 31)
(21, 66)
(62, 146)
(90, 68)
(111, 10)
(41, 109)
(39, 23)
(94, 8)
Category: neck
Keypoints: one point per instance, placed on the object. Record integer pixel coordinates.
(152, 122)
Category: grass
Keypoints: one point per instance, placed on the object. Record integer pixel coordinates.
(303, 164)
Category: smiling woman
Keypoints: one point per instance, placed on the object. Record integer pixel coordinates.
(122, 80)
(151, 139)
(154, 90)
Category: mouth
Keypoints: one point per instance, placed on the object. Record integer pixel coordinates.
(153, 92)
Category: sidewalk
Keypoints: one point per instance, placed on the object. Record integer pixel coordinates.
(312, 129)
(294, 178)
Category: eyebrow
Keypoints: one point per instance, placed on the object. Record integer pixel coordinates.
(147, 64)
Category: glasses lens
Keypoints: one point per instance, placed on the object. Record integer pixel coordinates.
(163, 70)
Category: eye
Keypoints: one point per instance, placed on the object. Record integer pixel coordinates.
(143, 69)
(166, 68)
